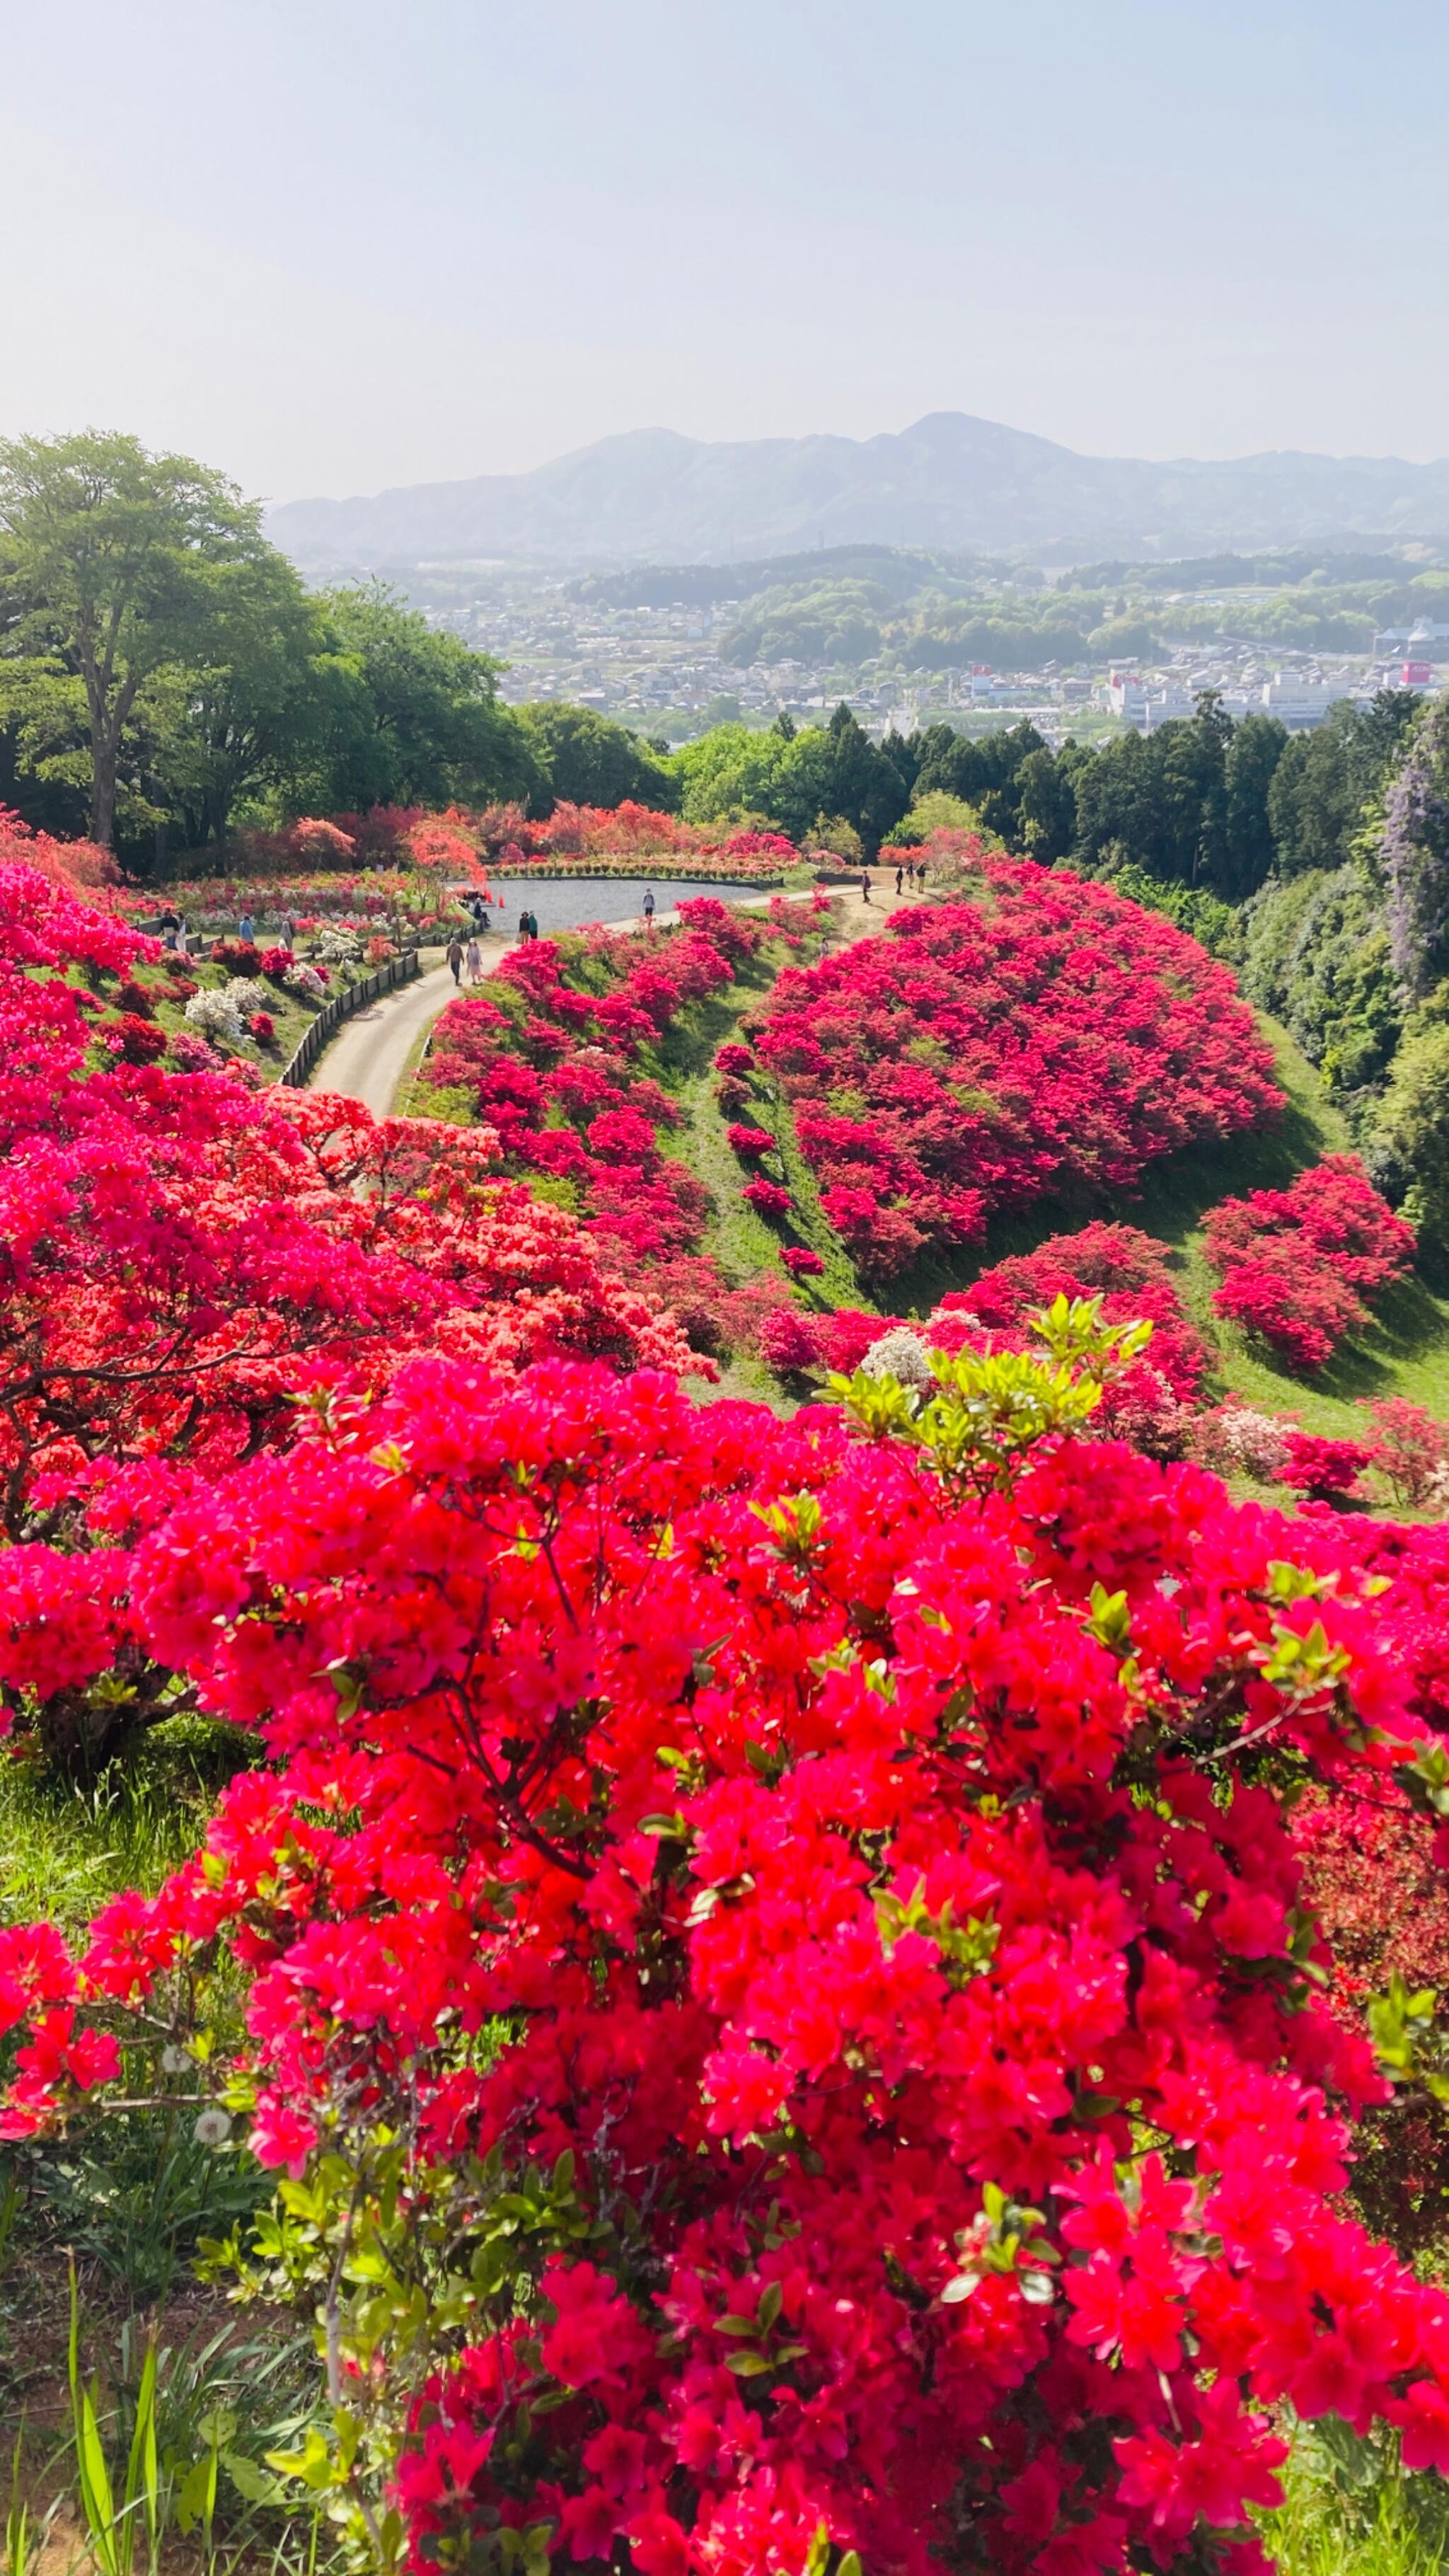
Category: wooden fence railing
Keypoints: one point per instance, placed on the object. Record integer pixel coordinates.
(398, 970)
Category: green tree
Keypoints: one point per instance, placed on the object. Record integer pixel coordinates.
(1120, 805)
(1326, 778)
(1408, 1149)
(1193, 762)
(254, 707)
(984, 774)
(731, 772)
(116, 555)
(415, 716)
(1046, 806)
(587, 760)
(1254, 752)
(865, 785)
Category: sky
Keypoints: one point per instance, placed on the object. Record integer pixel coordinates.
(333, 246)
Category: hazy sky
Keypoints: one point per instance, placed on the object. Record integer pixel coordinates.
(332, 245)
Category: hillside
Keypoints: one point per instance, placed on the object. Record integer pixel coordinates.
(950, 480)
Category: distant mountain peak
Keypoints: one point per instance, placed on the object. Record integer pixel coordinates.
(949, 480)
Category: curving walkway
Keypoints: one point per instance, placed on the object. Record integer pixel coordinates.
(368, 1058)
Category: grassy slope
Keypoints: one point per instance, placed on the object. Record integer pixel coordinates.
(1405, 1349)
(290, 1016)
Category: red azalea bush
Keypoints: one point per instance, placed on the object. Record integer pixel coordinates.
(622, 839)
(810, 1915)
(1301, 1266)
(1323, 1468)
(800, 1261)
(554, 1058)
(1410, 1449)
(751, 1143)
(1048, 1035)
(1151, 1402)
(442, 844)
(1129, 1271)
(1374, 1881)
(767, 1198)
(139, 1040)
(73, 867)
(177, 1256)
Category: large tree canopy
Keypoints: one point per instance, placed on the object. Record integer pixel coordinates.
(117, 563)
(415, 718)
(587, 761)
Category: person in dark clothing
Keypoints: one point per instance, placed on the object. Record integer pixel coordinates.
(900, 876)
(865, 885)
(455, 957)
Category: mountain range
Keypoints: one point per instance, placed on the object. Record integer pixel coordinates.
(951, 481)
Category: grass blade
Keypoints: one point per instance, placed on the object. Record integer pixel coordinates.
(93, 2476)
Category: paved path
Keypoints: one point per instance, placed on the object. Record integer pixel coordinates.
(368, 1057)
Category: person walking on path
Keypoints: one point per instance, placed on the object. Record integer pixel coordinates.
(474, 956)
(900, 874)
(865, 885)
(649, 909)
(455, 957)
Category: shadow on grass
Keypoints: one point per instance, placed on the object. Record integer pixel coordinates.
(1175, 1194)
(1408, 1328)
(687, 1048)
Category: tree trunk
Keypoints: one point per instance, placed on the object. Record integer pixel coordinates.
(103, 785)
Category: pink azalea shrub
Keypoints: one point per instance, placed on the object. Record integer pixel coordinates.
(1237, 1439)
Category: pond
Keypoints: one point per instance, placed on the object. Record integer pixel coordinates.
(570, 903)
